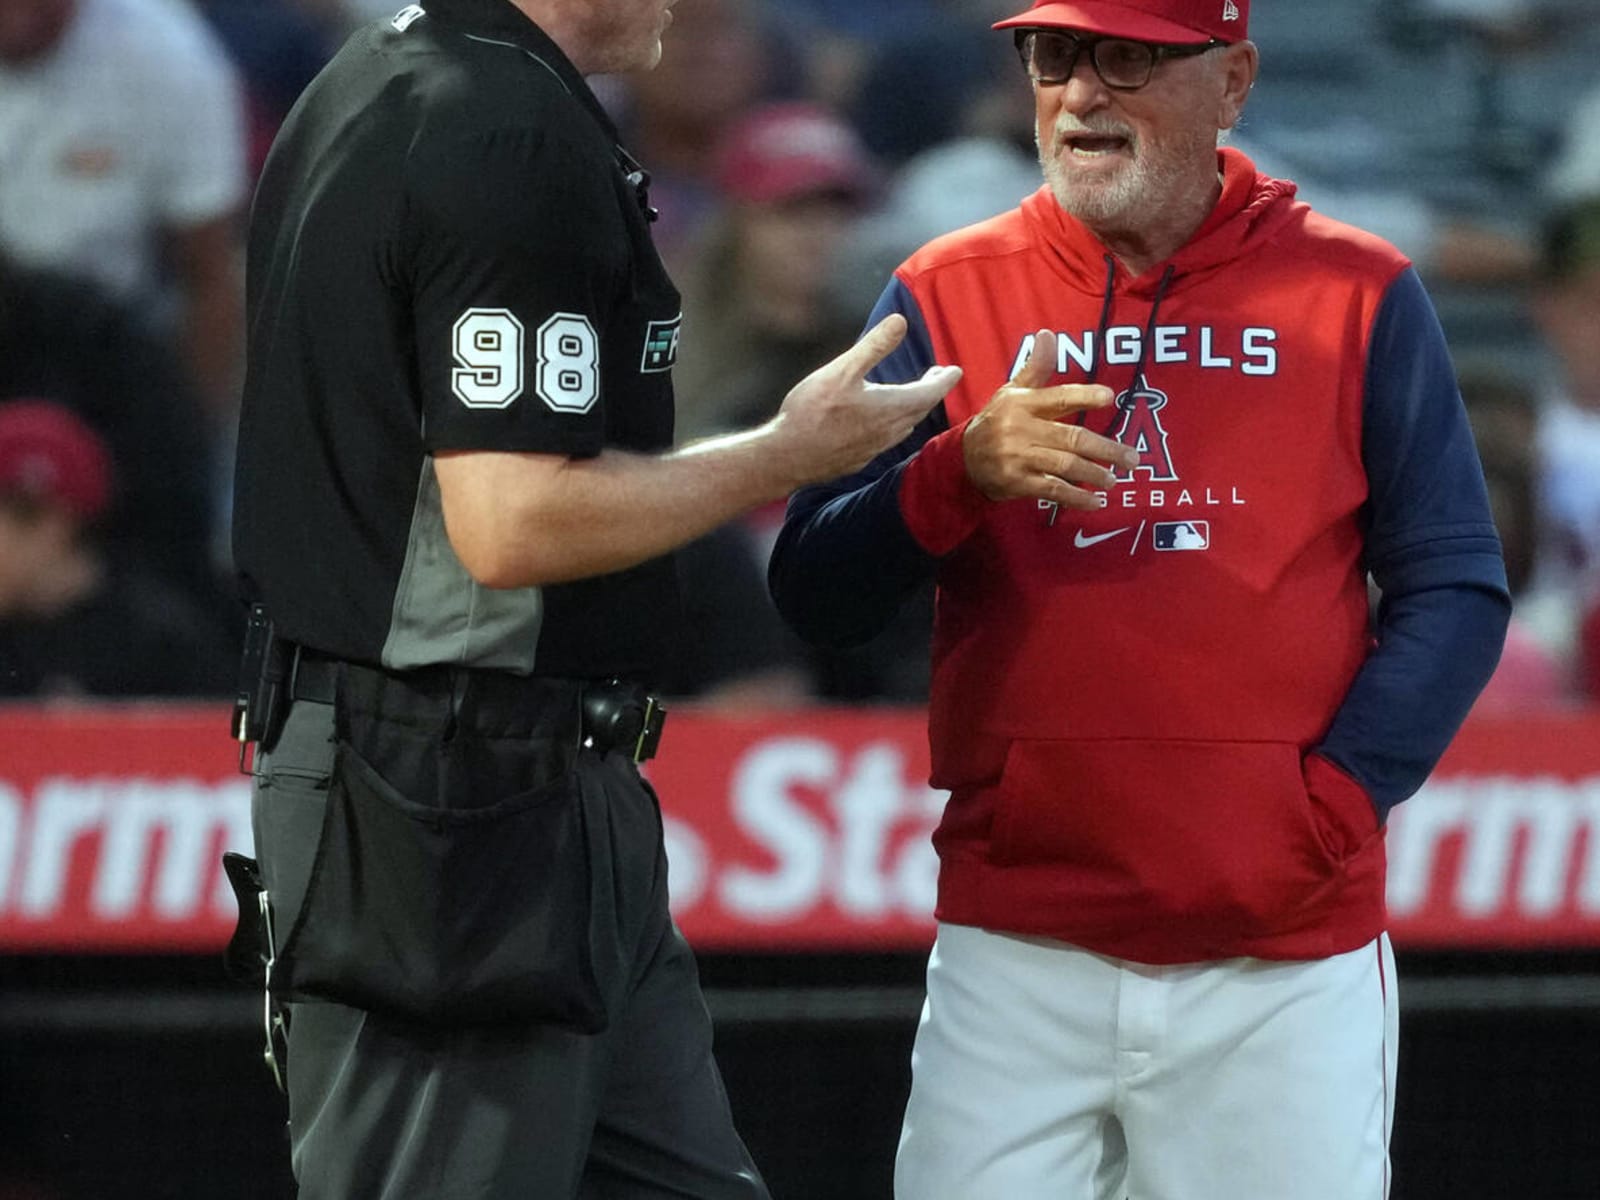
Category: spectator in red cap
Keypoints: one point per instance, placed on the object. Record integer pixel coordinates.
(49, 457)
(70, 622)
(100, 357)
(55, 479)
(793, 178)
(724, 58)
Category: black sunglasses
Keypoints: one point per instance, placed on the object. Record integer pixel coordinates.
(1051, 56)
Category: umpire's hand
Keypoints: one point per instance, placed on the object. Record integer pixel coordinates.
(1017, 448)
(833, 421)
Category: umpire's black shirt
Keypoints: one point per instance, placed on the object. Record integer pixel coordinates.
(445, 253)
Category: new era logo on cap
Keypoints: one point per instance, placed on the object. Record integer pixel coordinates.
(1230, 11)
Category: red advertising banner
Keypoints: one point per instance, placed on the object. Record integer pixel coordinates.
(796, 830)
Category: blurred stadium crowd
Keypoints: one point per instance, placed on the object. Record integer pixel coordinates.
(799, 150)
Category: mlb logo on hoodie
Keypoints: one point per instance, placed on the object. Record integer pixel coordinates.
(1183, 535)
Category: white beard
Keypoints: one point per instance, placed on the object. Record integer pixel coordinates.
(1135, 197)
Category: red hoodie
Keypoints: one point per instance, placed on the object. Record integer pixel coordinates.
(1123, 700)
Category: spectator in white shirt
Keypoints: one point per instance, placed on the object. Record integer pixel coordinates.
(122, 160)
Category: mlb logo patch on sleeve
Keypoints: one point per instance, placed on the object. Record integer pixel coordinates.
(1183, 535)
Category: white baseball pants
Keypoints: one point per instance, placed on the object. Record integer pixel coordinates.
(1045, 1072)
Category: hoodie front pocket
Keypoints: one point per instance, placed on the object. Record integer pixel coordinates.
(1218, 834)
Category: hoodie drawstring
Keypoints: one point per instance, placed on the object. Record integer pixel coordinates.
(1149, 327)
(1100, 343)
(1105, 318)
(1144, 342)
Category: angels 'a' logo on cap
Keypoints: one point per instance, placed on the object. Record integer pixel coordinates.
(1230, 10)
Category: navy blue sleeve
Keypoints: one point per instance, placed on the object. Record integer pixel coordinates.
(845, 561)
(912, 357)
(1433, 551)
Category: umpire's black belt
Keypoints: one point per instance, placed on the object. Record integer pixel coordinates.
(603, 714)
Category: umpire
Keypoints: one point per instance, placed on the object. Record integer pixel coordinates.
(455, 506)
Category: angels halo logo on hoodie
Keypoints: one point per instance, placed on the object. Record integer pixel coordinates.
(1141, 428)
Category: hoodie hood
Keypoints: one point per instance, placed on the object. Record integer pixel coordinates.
(1252, 208)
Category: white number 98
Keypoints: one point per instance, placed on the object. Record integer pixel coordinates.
(487, 346)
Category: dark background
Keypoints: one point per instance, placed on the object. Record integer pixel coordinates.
(141, 1078)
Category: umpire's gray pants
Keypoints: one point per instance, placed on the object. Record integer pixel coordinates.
(382, 1109)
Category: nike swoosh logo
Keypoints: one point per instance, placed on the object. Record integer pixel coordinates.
(1080, 541)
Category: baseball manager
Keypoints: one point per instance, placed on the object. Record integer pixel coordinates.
(1195, 416)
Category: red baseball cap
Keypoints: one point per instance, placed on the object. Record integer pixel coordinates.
(48, 454)
(781, 151)
(1176, 22)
